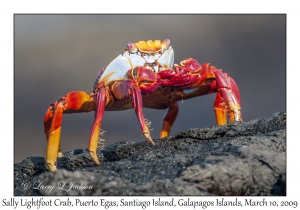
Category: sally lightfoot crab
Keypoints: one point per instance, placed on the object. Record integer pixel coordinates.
(143, 76)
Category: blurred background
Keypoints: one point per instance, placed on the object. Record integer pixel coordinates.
(57, 54)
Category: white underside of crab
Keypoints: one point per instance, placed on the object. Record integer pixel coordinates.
(118, 68)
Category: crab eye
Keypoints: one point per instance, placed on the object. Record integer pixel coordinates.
(130, 46)
(167, 42)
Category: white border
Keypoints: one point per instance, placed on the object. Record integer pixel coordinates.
(9, 8)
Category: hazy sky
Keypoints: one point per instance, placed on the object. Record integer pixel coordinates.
(57, 54)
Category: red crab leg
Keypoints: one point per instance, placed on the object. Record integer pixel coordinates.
(227, 99)
(77, 101)
(138, 107)
(53, 136)
(169, 119)
(99, 112)
(220, 110)
(128, 90)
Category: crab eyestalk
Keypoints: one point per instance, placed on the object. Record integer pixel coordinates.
(131, 47)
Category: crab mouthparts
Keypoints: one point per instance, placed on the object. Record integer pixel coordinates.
(153, 66)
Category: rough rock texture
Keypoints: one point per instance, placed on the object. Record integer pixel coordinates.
(247, 158)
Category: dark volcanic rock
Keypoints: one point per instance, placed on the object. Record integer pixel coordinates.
(245, 158)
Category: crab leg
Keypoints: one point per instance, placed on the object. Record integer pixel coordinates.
(169, 119)
(53, 137)
(78, 101)
(138, 107)
(220, 110)
(99, 112)
(227, 99)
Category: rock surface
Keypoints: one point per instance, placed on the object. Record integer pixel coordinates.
(240, 158)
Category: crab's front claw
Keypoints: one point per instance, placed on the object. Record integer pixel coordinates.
(183, 76)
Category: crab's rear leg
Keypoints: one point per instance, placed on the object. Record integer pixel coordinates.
(227, 99)
(169, 118)
(77, 101)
